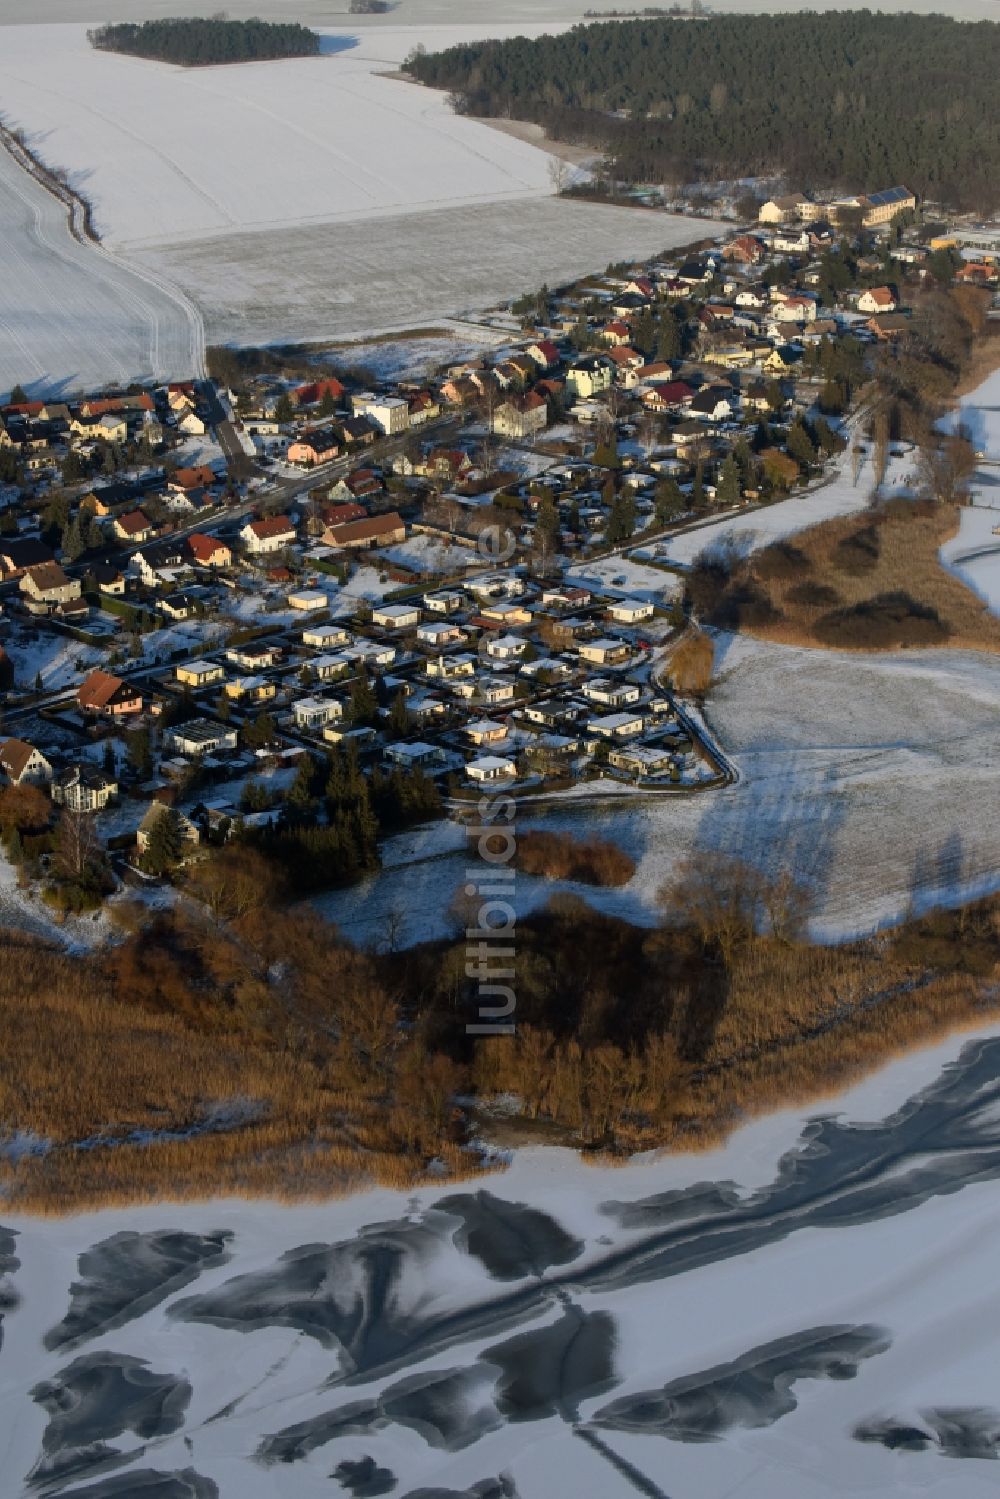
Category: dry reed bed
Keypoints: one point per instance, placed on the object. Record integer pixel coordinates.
(909, 537)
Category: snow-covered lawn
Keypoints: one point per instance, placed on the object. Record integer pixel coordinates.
(723, 1322)
(410, 358)
(626, 577)
(832, 496)
(57, 659)
(428, 554)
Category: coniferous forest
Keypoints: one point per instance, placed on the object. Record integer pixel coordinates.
(201, 42)
(854, 100)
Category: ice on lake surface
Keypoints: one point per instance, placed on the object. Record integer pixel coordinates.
(810, 1307)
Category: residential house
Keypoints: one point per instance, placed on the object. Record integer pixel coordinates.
(611, 694)
(23, 764)
(318, 390)
(396, 616)
(605, 652)
(642, 760)
(505, 647)
(522, 416)
(746, 249)
(485, 731)
(321, 445)
(878, 299)
(445, 601)
(375, 531)
(107, 694)
(200, 736)
(491, 768)
(270, 534)
(589, 376)
(253, 657)
(134, 528)
(438, 633)
(326, 637)
(250, 689)
(47, 586)
(197, 675)
(391, 414)
(184, 479)
(630, 611)
(328, 668)
(624, 725)
(208, 551)
(545, 353)
(83, 788)
(314, 712)
(416, 755)
(18, 555)
(308, 600)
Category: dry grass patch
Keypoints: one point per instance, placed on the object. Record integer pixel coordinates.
(874, 582)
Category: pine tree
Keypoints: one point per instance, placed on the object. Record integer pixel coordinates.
(362, 708)
(72, 541)
(165, 843)
(800, 445)
(399, 716)
(728, 490)
(668, 502)
(283, 408)
(668, 336)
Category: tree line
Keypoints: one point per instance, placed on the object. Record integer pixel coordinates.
(854, 100)
(197, 42)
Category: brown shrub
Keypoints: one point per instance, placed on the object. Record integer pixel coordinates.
(857, 553)
(813, 595)
(782, 560)
(690, 665)
(557, 856)
(884, 623)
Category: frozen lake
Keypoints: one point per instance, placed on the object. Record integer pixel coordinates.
(805, 1313)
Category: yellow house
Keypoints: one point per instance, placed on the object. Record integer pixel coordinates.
(250, 689)
(197, 674)
(780, 361)
(111, 427)
(732, 358)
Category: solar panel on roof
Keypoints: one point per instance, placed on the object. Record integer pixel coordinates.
(889, 195)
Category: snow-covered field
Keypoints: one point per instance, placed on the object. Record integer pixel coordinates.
(345, 280)
(806, 1313)
(297, 200)
(166, 154)
(432, 13)
(73, 316)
